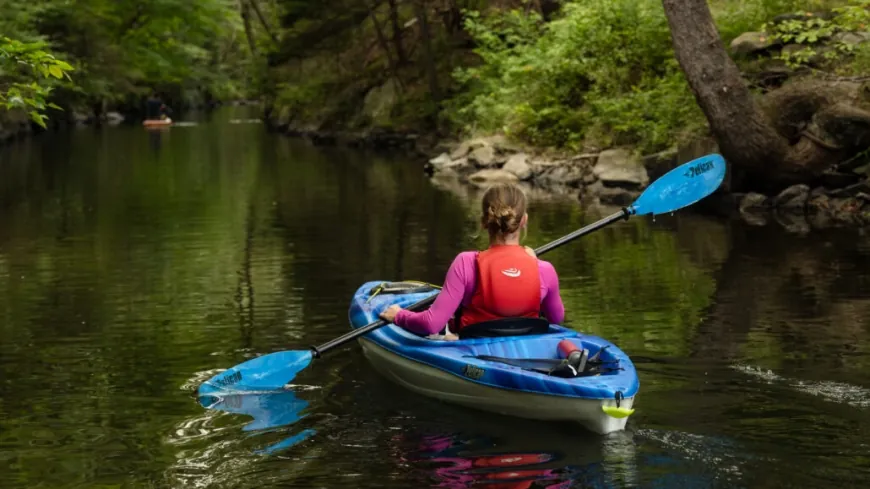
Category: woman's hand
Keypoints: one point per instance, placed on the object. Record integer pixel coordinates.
(530, 251)
(389, 314)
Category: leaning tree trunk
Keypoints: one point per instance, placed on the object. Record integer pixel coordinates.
(745, 136)
(246, 20)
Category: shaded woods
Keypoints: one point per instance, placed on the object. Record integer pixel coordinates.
(779, 84)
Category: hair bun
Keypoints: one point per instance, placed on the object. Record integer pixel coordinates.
(502, 219)
(503, 206)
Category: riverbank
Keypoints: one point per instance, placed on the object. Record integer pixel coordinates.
(804, 85)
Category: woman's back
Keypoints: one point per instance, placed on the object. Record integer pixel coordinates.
(506, 280)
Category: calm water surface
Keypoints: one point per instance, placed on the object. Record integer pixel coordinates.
(135, 264)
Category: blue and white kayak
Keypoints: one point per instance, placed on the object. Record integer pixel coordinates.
(452, 370)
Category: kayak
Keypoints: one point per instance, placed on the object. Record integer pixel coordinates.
(511, 375)
(157, 122)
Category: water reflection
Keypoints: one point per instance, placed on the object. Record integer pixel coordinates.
(125, 270)
(270, 411)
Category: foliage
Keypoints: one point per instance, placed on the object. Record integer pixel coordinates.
(36, 67)
(124, 49)
(734, 18)
(825, 38)
(602, 70)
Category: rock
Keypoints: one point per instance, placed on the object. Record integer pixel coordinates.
(379, 102)
(566, 173)
(753, 202)
(461, 163)
(792, 49)
(483, 156)
(803, 16)
(114, 118)
(461, 150)
(492, 176)
(754, 208)
(851, 38)
(440, 161)
(793, 198)
(841, 207)
(612, 195)
(819, 209)
(517, 165)
(620, 167)
(498, 142)
(793, 223)
(751, 42)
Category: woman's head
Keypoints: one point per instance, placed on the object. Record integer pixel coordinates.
(503, 210)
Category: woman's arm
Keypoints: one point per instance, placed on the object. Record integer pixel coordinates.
(460, 277)
(551, 305)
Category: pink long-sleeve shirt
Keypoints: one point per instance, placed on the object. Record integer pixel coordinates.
(458, 289)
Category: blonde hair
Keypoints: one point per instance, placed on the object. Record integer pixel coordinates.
(502, 209)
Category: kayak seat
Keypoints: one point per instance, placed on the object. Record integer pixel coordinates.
(505, 327)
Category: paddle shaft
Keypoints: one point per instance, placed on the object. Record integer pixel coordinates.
(625, 213)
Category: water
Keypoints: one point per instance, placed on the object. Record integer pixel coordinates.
(135, 264)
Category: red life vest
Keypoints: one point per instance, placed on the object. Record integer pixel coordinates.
(508, 286)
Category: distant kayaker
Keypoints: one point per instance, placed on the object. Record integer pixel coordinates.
(155, 108)
(504, 281)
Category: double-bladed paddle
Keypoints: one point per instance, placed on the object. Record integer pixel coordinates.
(680, 187)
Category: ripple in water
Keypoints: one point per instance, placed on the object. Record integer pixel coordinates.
(838, 392)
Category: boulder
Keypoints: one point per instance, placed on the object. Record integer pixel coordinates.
(379, 102)
(752, 42)
(612, 195)
(754, 209)
(793, 198)
(754, 202)
(620, 167)
(565, 173)
(440, 161)
(793, 223)
(484, 157)
(517, 165)
(491, 176)
(114, 118)
(461, 151)
(851, 38)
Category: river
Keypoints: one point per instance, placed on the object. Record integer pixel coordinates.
(134, 264)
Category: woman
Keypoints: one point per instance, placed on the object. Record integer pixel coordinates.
(504, 281)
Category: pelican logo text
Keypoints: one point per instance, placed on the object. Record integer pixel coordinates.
(698, 169)
(473, 372)
(511, 272)
(230, 379)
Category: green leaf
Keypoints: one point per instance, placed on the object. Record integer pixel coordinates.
(37, 118)
(56, 71)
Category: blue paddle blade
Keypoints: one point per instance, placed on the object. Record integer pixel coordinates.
(682, 186)
(264, 373)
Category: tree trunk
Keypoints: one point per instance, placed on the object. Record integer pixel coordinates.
(746, 137)
(397, 32)
(429, 57)
(246, 19)
(382, 40)
(260, 16)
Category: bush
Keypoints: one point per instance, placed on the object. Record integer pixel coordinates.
(602, 73)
